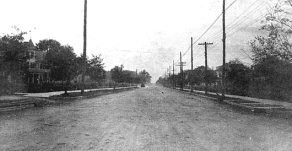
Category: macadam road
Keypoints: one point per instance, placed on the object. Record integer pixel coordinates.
(152, 118)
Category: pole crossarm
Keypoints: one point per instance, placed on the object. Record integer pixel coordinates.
(206, 64)
(182, 64)
(208, 43)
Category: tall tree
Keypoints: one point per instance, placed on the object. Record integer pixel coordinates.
(277, 43)
(272, 54)
(60, 59)
(14, 56)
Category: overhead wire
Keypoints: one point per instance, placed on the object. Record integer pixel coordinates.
(212, 24)
(219, 32)
(237, 24)
(247, 12)
(234, 27)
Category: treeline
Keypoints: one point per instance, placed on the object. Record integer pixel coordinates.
(119, 75)
(269, 76)
(64, 66)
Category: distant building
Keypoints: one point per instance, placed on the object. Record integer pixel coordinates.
(37, 73)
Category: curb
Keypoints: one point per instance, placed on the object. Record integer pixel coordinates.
(98, 93)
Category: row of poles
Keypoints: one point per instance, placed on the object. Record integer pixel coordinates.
(181, 64)
(205, 44)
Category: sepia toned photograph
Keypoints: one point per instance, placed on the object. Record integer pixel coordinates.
(146, 75)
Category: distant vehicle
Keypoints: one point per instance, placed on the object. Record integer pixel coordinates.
(142, 85)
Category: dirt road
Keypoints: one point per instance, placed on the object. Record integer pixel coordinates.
(152, 118)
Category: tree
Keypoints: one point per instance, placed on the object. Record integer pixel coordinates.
(129, 76)
(144, 76)
(272, 54)
(164, 81)
(237, 77)
(278, 25)
(48, 45)
(125, 76)
(272, 77)
(95, 68)
(198, 76)
(61, 60)
(116, 73)
(14, 56)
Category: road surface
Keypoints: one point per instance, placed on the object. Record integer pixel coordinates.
(152, 118)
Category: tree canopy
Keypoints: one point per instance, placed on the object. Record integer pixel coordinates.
(14, 55)
(272, 54)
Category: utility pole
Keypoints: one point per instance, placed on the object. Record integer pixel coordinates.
(84, 47)
(192, 65)
(173, 82)
(181, 64)
(181, 72)
(169, 76)
(224, 52)
(169, 71)
(192, 61)
(206, 64)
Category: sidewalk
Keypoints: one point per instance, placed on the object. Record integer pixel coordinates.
(49, 94)
(286, 105)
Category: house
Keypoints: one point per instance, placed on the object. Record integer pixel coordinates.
(37, 73)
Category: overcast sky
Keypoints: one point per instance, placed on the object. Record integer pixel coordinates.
(140, 34)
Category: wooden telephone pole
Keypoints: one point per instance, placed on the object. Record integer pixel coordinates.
(192, 64)
(206, 64)
(192, 59)
(169, 71)
(84, 47)
(181, 64)
(173, 79)
(224, 51)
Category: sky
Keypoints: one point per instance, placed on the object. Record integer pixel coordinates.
(140, 34)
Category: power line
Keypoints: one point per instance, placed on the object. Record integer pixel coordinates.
(215, 33)
(213, 23)
(238, 19)
(237, 24)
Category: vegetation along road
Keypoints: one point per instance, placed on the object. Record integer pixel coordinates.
(151, 118)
